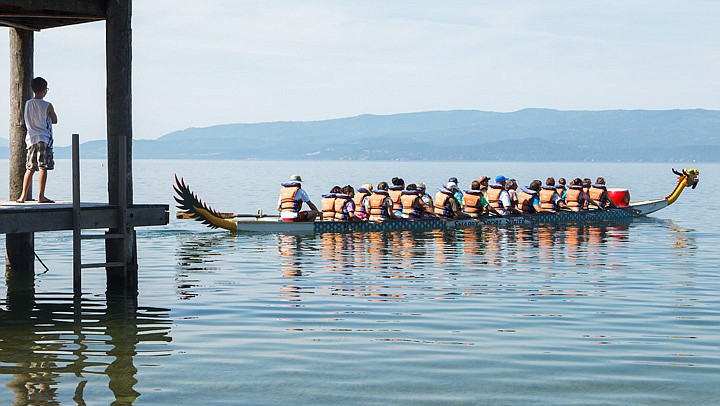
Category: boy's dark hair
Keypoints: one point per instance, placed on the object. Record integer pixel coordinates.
(398, 181)
(382, 186)
(475, 185)
(38, 84)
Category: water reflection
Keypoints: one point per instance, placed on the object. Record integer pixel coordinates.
(373, 265)
(46, 338)
(198, 254)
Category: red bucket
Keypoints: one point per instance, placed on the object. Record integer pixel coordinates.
(621, 197)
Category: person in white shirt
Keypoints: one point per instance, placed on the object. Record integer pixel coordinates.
(291, 199)
(39, 118)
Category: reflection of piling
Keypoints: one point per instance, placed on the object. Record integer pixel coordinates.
(38, 339)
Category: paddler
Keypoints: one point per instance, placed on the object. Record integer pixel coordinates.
(561, 187)
(360, 199)
(498, 197)
(380, 206)
(459, 194)
(345, 205)
(395, 192)
(327, 204)
(291, 199)
(576, 198)
(426, 198)
(529, 199)
(550, 200)
(413, 205)
(446, 205)
(598, 192)
(475, 202)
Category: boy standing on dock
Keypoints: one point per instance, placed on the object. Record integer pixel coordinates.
(39, 118)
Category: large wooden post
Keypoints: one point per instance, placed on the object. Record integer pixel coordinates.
(119, 131)
(19, 247)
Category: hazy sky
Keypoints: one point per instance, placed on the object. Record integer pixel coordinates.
(202, 63)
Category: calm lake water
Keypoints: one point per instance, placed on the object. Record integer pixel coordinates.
(620, 314)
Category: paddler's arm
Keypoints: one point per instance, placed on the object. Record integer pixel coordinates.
(589, 199)
(314, 208)
(610, 201)
(427, 209)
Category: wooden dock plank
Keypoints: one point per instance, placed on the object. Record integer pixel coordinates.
(36, 217)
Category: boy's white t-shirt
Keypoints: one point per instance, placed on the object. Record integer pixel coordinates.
(38, 122)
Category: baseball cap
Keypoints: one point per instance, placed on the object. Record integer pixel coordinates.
(483, 179)
(500, 178)
(452, 186)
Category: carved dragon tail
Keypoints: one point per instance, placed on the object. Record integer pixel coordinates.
(189, 203)
(686, 178)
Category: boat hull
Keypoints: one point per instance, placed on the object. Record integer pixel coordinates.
(275, 226)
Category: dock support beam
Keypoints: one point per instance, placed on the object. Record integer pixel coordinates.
(19, 248)
(119, 142)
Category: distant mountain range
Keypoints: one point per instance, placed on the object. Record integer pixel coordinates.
(525, 135)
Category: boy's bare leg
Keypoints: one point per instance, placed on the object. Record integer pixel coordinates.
(27, 181)
(42, 181)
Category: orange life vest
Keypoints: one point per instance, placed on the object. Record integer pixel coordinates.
(340, 213)
(596, 193)
(493, 197)
(442, 204)
(472, 202)
(395, 193)
(328, 206)
(376, 204)
(546, 199)
(358, 199)
(525, 199)
(287, 197)
(572, 197)
(409, 209)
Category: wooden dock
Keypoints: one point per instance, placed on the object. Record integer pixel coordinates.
(32, 217)
(119, 216)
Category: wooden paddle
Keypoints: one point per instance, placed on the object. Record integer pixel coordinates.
(188, 216)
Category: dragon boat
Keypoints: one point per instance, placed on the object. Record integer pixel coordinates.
(193, 208)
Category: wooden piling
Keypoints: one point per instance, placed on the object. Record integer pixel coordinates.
(119, 142)
(19, 247)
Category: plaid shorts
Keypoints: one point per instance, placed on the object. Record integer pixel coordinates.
(40, 156)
